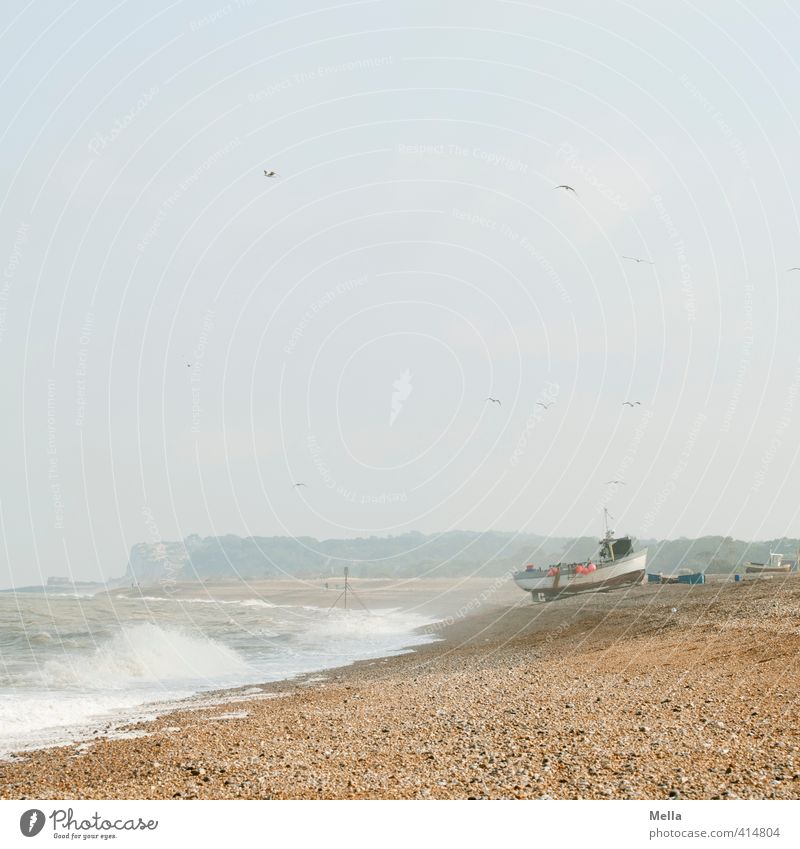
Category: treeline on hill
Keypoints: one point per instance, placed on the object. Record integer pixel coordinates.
(456, 553)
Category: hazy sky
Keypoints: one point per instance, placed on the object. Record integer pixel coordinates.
(346, 321)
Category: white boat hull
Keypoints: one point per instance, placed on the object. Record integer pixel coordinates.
(624, 572)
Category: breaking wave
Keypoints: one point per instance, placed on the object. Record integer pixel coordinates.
(144, 654)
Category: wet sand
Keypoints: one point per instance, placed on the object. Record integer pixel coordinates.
(601, 696)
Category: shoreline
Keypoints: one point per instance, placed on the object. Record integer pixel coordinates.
(430, 598)
(602, 696)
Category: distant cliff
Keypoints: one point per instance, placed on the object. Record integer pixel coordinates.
(406, 555)
(155, 561)
(456, 553)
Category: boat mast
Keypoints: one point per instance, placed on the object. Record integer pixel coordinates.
(606, 517)
(607, 543)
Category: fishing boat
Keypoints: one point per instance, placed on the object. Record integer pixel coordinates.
(776, 564)
(616, 565)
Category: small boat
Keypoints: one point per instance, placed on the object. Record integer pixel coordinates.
(616, 565)
(763, 569)
(693, 578)
(776, 564)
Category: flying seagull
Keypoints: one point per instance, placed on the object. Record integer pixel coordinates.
(622, 482)
(270, 174)
(636, 259)
(299, 484)
(630, 403)
(795, 268)
(495, 401)
(546, 406)
(566, 188)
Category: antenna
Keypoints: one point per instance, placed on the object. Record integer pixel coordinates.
(348, 589)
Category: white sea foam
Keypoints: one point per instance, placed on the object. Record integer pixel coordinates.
(143, 654)
(248, 602)
(361, 623)
(23, 713)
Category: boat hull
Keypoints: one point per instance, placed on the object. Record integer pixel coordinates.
(768, 570)
(620, 573)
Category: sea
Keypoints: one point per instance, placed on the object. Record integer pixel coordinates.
(71, 665)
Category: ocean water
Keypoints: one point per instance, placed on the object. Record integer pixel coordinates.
(70, 665)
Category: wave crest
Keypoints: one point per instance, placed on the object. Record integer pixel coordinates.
(144, 654)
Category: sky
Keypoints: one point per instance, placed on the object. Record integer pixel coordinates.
(184, 339)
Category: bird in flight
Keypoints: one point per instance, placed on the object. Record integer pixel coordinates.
(495, 401)
(546, 406)
(795, 268)
(566, 188)
(299, 484)
(622, 482)
(188, 365)
(636, 259)
(270, 174)
(630, 403)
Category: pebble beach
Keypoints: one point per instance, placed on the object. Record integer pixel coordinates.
(658, 692)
